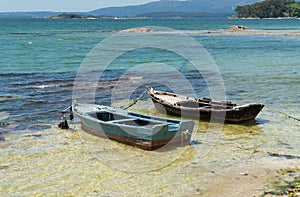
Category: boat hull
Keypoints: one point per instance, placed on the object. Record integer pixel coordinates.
(229, 116)
(150, 145)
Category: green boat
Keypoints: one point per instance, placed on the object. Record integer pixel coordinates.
(143, 131)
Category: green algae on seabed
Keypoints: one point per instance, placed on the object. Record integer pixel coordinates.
(6, 97)
(59, 164)
(287, 184)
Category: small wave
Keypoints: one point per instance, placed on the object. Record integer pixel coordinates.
(4, 115)
(43, 86)
(30, 33)
(130, 78)
(14, 74)
(67, 85)
(52, 86)
(39, 83)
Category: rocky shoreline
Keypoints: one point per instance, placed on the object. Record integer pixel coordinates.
(287, 183)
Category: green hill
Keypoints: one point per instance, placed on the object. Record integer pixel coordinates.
(270, 9)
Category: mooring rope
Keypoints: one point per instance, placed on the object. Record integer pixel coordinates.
(135, 101)
(283, 113)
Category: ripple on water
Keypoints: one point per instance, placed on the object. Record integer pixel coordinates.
(3, 115)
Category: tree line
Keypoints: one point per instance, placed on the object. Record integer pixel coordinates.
(73, 16)
(270, 9)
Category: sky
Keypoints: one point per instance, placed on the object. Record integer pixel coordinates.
(63, 5)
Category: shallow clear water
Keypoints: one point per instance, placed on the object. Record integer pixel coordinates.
(39, 60)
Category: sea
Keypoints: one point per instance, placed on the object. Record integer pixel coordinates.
(41, 61)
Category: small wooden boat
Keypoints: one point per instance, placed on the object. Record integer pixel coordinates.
(203, 108)
(140, 130)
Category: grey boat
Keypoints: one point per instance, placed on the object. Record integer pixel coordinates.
(203, 108)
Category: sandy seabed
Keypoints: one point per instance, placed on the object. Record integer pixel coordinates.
(242, 162)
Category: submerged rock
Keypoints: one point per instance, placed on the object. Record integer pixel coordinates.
(135, 30)
(291, 34)
(238, 28)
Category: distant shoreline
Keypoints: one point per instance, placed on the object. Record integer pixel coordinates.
(73, 16)
(257, 18)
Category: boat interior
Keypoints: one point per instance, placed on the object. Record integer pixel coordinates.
(132, 120)
(154, 118)
(107, 116)
(192, 104)
(195, 104)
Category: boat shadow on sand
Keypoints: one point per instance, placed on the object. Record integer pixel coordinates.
(252, 127)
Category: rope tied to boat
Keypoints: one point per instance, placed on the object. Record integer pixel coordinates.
(135, 101)
(284, 114)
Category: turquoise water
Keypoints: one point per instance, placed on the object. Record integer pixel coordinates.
(42, 56)
(39, 61)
